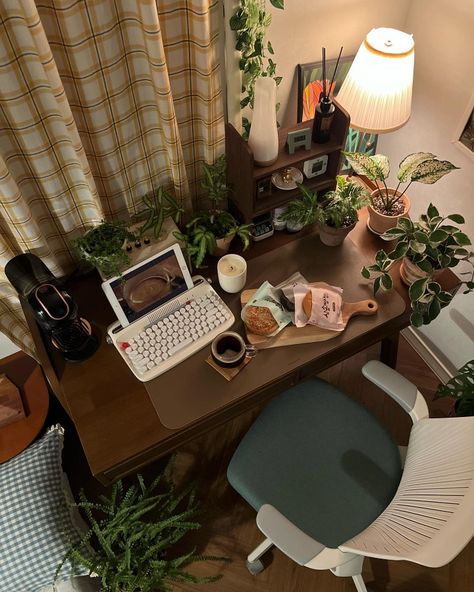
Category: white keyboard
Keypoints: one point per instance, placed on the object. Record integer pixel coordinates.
(170, 334)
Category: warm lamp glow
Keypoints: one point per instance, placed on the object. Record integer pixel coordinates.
(377, 90)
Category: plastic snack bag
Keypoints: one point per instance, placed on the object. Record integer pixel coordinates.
(264, 314)
(326, 306)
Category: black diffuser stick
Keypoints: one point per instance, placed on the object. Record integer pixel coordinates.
(324, 73)
(335, 69)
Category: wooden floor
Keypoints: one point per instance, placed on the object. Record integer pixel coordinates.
(230, 528)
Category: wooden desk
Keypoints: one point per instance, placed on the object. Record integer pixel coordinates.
(112, 411)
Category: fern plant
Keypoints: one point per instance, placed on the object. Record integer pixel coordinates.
(131, 538)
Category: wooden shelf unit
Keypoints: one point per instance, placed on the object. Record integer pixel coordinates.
(243, 176)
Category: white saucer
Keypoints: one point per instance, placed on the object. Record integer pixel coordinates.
(280, 184)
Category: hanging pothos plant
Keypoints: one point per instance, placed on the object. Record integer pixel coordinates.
(250, 23)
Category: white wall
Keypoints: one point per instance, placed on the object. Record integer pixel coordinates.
(443, 86)
(300, 30)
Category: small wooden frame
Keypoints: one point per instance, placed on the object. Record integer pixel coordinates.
(300, 138)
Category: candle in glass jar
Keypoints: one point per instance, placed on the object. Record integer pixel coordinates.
(232, 273)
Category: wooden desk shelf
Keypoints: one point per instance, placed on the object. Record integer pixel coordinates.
(244, 176)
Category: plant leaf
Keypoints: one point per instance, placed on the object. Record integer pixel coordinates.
(461, 238)
(387, 281)
(417, 247)
(430, 171)
(417, 289)
(382, 165)
(364, 165)
(409, 164)
(456, 218)
(393, 233)
(365, 273)
(425, 265)
(438, 236)
(416, 319)
(278, 4)
(399, 251)
(377, 283)
(432, 211)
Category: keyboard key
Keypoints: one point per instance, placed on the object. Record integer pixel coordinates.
(180, 346)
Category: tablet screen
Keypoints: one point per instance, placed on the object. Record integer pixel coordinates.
(142, 290)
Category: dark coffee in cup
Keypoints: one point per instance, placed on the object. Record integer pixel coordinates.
(228, 349)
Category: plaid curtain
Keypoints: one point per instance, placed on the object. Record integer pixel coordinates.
(101, 101)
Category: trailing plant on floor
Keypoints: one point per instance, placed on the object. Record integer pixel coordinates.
(461, 388)
(431, 244)
(102, 246)
(250, 23)
(132, 537)
(420, 167)
(202, 232)
(342, 204)
(158, 206)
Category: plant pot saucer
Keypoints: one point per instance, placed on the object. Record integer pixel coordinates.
(372, 230)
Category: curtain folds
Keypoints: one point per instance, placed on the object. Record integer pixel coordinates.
(101, 102)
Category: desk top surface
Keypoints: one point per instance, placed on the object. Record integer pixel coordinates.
(113, 413)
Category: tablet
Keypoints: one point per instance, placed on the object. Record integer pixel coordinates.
(149, 284)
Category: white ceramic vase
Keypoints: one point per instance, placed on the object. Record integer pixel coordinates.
(263, 138)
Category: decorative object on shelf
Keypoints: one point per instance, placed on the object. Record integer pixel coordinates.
(11, 405)
(324, 111)
(377, 90)
(264, 187)
(103, 246)
(250, 23)
(303, 211)
(340, 214)
(211, 231)
(300, 138)
(387, 205)
(425, 248)
(159, 205)
(232, 273)
(262, 227)
(133, 536)
(310, 86)
(315, 166)
(278, 222)
(461, 388)
(287, 179)
(263, 138)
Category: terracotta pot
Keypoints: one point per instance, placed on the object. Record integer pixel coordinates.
(332, 237)
(380, 223)
(410, 272)
(223, 245)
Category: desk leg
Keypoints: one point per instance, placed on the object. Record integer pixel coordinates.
(389, 350)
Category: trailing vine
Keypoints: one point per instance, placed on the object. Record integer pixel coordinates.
(250, 23)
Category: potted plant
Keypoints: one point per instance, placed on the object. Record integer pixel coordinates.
(104, 247)
(158, 206)
(132, 535)
(424, 248)
(303, 211)
(460, 387)
(340, 215)
(387, 205)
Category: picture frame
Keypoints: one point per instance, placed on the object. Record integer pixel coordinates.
(309, 87)
(463, 137)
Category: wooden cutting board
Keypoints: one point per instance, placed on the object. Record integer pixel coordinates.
(292, 335)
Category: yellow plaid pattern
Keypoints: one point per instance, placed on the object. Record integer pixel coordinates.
(101, 101)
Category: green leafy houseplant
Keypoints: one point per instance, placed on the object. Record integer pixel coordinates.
(420, 167)
(430, 244)
(158, 206)
(250, 23)
(102, 246)
(343, 203)
(460, 387)
(303, 211)
(207, 227)
(132, 535)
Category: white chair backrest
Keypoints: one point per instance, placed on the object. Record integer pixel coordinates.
(431, 517)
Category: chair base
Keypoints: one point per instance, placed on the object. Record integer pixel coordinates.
(254, 564)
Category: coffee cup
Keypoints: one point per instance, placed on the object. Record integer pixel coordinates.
(228, 349)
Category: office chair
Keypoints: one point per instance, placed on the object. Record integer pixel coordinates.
(330, 487)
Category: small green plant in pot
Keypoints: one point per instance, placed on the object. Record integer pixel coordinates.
(340, 214)
(211, 231)
(302, 212)
(387, 204)
(424, 248)
(103, 247)
(461, 388)
(132, 537)
(158, 206)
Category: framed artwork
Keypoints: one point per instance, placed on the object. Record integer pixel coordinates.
(464, 134)
(310, 86)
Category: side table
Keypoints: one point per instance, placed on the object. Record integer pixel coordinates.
(26, 374)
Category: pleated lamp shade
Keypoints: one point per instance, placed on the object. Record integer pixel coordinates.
(378, 87)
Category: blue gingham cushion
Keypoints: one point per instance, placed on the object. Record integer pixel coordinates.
(35, 523)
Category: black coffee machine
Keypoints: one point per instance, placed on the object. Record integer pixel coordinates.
(54, 309)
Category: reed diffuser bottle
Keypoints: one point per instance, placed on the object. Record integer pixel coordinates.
(324, 111)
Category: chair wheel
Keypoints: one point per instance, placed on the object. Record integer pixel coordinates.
(255, 567)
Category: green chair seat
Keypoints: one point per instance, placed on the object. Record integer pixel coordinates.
(320, 459)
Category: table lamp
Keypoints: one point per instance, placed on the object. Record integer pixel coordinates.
(378, 87)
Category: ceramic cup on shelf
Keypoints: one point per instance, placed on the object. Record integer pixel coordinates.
(232, 273)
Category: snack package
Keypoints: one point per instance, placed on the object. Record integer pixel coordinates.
(288, 285)
(326, 306)
(264, 314)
